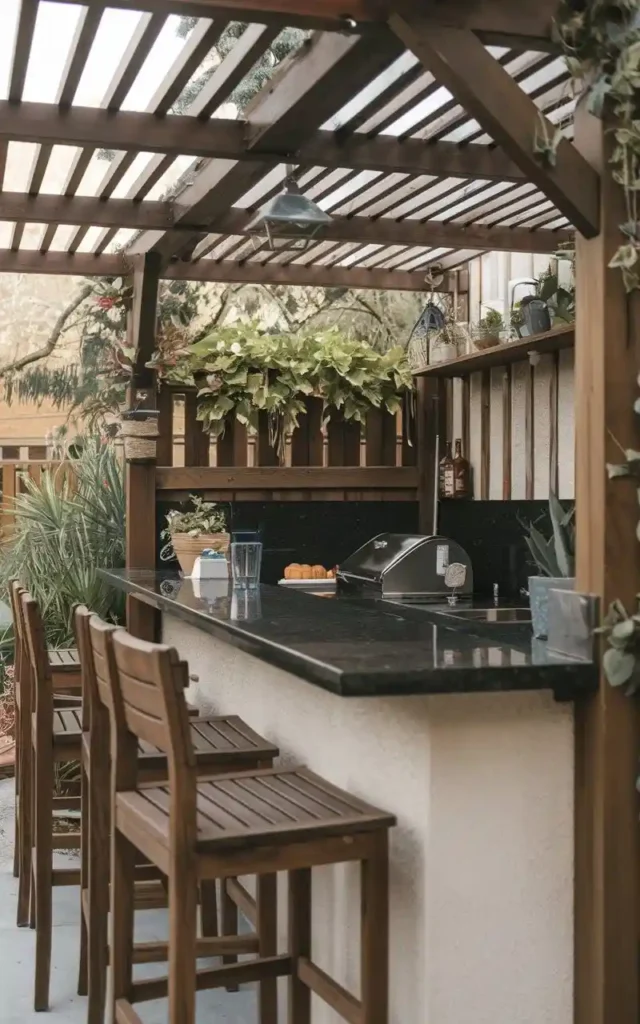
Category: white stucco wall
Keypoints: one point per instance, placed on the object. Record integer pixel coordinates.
(481, 859)
(488, 287)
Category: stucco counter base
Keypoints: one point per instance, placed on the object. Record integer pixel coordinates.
(482, 857)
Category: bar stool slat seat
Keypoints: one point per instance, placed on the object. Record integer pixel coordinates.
(254, 809)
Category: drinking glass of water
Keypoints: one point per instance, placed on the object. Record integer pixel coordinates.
(246, 559)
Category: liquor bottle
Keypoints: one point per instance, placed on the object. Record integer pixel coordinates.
(445, 473)
(461, 473)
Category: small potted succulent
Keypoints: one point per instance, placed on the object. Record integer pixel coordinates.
(488, 329)
(555, 558)
(189, 533)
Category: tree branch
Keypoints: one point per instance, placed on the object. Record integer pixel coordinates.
(56, 333)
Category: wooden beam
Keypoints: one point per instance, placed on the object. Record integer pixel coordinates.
(411, 232)
(328, 71)
(140, 483)
(525, 26)
(460, 62)
(313, 478)
(141, 324)
(87, 265)
(219, 138)
(323, 277)
(154, 215)
(607, 906)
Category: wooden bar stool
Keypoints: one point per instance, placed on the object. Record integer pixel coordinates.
(220, 743)
(255, 822)
(55, 735)
(66, 682)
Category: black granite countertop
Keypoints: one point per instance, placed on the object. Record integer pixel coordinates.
(357, 648)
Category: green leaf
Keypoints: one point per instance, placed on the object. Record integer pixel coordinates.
(618, 666)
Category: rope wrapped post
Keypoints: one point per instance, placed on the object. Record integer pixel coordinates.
(139, 431)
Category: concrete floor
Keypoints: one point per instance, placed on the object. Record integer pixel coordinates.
(17, 950)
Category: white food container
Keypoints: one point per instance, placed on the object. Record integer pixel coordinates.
(210, 569)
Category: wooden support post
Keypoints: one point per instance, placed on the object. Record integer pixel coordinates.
(607, 918)
(431, 416)
(142, 620)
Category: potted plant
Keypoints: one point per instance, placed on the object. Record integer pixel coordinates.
(188, 533)
(555, 558)
(488, 329)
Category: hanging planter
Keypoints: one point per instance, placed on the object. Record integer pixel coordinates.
(139, 431)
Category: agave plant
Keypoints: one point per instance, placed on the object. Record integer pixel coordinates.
(554, 555)
(67, 526)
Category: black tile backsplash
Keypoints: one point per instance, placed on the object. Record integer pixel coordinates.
(326, 532)
(316, 532)
(492, 534)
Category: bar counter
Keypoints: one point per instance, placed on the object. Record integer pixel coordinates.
(362, 648)
(458, 735)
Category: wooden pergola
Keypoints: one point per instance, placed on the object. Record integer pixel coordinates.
(413, 124)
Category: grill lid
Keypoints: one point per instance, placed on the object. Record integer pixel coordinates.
(378, 555)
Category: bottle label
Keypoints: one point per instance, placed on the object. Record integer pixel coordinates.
(442, 559)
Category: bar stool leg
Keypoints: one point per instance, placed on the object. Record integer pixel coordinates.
(299, 1010)
(84, 878)
(24, 837)
(229, 914)
(183, 924)
(16, 842)
(122, 916)
(98, 881)
(374, 941)
(267, 927)
(209, 909)
(43, 868)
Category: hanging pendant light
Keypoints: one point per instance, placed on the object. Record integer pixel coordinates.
(289, 220)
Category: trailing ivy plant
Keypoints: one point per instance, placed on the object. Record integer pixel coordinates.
(602, 41)
(242, 371)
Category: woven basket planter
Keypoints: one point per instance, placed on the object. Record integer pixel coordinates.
(139, 431)
(187, 548)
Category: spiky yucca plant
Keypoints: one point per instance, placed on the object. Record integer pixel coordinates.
(67, 526)
(554, 555)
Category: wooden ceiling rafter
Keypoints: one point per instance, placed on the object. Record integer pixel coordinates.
(225, 272)
(460, 62)
(527, 25)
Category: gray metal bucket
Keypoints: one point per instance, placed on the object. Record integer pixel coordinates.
(539, 587)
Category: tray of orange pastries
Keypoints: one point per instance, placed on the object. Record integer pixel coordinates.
(309, 577)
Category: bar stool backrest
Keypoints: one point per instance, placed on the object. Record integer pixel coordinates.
(150, 679)
(38, 658)
(22, 668)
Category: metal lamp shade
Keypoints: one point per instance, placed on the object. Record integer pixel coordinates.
(289, 220)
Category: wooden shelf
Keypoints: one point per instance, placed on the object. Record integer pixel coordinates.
(501, 355)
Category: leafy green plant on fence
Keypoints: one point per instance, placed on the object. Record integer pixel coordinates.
(67, 526)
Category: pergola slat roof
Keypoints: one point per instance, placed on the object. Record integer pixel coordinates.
(409, 176)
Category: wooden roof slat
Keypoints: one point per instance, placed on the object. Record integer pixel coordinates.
(253, 42)
(86, 29)
(140, 45)
(47, 238)
(22, 48)
(200, 42)
(462, 64)
(16, 237)
(77, 238)
(106, 236)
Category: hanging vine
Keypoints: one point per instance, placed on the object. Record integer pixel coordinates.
(602, 42)
(601, 39)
